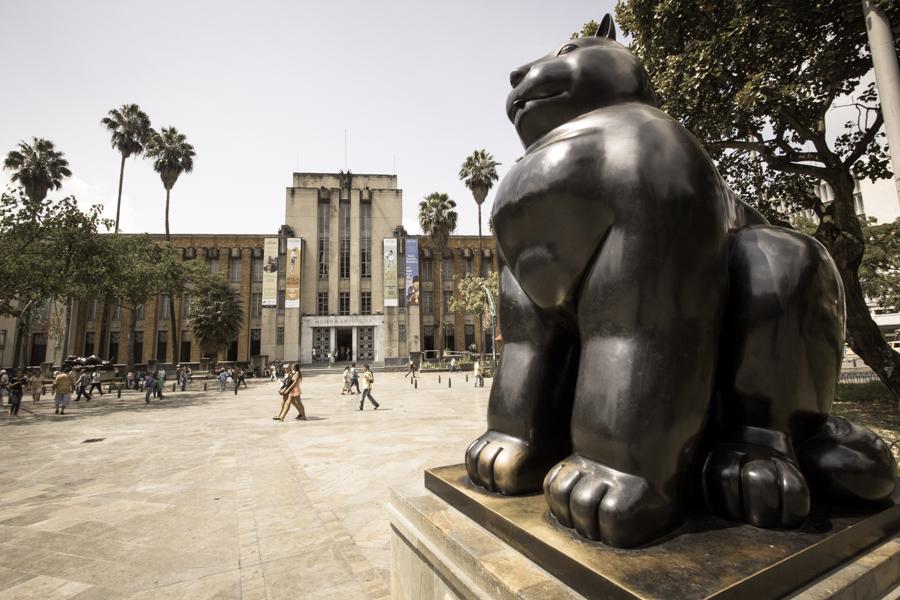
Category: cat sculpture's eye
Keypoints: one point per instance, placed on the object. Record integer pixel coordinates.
(566, 49)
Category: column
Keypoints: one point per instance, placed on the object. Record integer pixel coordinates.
(355, 344)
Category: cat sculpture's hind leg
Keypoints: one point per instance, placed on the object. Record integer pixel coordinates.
(773, 445)
(531, 398)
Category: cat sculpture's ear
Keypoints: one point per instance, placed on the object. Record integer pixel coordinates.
(607, 28)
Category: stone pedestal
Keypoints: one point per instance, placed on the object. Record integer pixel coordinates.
(439, 552)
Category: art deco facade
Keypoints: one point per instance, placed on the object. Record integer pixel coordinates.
(315, 287)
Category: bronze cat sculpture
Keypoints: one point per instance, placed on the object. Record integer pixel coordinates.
(664, 345)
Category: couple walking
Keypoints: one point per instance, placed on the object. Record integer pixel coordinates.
(290, 395)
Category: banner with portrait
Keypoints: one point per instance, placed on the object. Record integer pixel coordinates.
(390, 272)
(412, 271)
(292, 265)
(270, 272)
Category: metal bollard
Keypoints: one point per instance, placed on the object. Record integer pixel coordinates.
(119, 392)
(417, 384)
(235, 390)
(204, 386)
(467, 378)
(439, 378)
(449, 382)
(173, 387)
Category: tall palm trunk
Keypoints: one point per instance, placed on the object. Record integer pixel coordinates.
(119, 201)
(439, 302)
(173, 324)
(480, 251)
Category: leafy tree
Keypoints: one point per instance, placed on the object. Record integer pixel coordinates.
(879, 272)
(216, 315)
(38, 167)
(479, 172)
(138, 268)
(172, 155)
(48, 249)
(755, 81)
(130, 130)
(438, 220)
(471, 295)
(587, 30)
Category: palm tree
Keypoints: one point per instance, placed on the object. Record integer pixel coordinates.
(479, 172)
(38, 167)
(172, 155)
(438, 220)
(130, 129)
(216, 315)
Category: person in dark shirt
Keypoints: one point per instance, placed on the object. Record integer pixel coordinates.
(16, 386)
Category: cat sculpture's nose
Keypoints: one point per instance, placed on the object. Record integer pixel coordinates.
(519, 74)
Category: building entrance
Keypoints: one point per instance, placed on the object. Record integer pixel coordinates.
(343, 344)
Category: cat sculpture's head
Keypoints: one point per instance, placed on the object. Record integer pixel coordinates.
(582, 75)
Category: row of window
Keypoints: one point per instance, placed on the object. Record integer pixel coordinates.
(344, 233)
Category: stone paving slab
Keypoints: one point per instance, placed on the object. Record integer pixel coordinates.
(202, 495)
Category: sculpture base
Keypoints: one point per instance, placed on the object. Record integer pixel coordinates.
(706, 558)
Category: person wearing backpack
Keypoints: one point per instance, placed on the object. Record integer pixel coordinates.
(368, 382)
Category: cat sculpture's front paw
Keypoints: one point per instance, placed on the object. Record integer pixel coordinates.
(607, 505)
(505, 464)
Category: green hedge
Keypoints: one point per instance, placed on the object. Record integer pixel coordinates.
(873, 391)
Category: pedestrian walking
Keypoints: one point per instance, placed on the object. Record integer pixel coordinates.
(62, 392)
(16, 386)
(129, 380)
(290, 394)
(149, 386)
(411, 370)
(96, 383)
(4, 384)
(368, 382)
(223, 378)
(354, 377)
(36, 384)
(479, 373)
(242, 377)
(160, 382)
(347, 379)
(84, 381)
(453, 364)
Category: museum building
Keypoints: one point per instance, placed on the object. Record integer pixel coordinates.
(340, 276)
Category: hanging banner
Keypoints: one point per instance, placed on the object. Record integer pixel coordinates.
(412, 271)
(390, 272)
(270, 272)
(292, 273)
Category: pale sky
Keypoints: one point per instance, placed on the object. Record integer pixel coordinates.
(267, 88)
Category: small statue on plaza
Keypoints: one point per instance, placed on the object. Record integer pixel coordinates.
(663, 344)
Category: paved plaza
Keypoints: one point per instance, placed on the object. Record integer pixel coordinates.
(202, 495)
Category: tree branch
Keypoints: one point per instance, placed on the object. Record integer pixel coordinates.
(865, 140)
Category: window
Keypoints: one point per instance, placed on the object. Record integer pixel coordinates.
(2, 339)
(279, 336)
(116, 312)
(401, 331)
(162, 342)
(255, 341)
(139, 313)
(256, 305)
(232, 353)
(470, 336)
(137, 346)
(469, 265)
(279, 302)
(185, 345)
(38, 349)
(322, 304)
(365, 240)
(256, 269)
(185, 306)
(428, 337)
(88, 343)
(213, 265)
(344, 239)
(344, 308)
(114, 347)
(324, 227)
(365, 303)
(163, 305)
(426, 265)
(485, 266)
(449, 337)
(234, 269)
(427, 302)
(445, 303)
(447, 269)
(92, 310)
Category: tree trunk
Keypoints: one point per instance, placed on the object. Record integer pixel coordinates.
(480, 251)
(65, 345)
(132, 327)
(119, 201)
(173, 333)
(104, 329)
(20, 336)
(840, 232)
